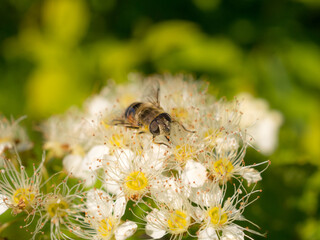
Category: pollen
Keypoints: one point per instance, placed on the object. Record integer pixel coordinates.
(5, 139)
(136, 181)
(217, 216)
(117, 140)
(105, 227)
(178, 222)
(179, 112)
(105, 124)
(183, 152)
(223, 168)
(57, 206)
(56, 148)
(211, 136)
(23, 197)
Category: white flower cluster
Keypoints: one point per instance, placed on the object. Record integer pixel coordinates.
(187, 183)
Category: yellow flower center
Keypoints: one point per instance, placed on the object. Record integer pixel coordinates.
(23, 197)
(223, 168)
(105, 227)
(117, 140)
(183, 152)
(178, 222)
(57, 207)
(5, 139)
(105, 124)
(136, 182)
(78, 150)
(211, 136)
(217, 216)
(179, 112)
(57, 149)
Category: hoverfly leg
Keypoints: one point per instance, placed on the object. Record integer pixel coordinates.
(131, 127)
(168, 139)
(117, 122)
(184, 128)
(153, 140)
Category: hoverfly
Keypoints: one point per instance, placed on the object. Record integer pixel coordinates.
(148, 115)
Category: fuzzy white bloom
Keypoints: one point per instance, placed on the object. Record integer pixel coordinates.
(223, 166)
(173, 212)
(12, 134)
(263, 124)
(84, 167)
(62, 209)
(194, 174)
(217, 214)
(132, 175)
(69, 133)
(19, 191)
(104, 216)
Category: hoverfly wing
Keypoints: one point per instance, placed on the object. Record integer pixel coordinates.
(151, 92)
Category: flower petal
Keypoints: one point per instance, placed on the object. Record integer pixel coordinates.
(72, 164)
(120, 207)
(155, 227)
(3, 206)
(4, 146)
(95, 155)
(98, 105)
(112, 187)
(232, 233)
(251, 175)
(97, 201)
(195, 174)
(125, 230)
(208, 234)
(154, 232)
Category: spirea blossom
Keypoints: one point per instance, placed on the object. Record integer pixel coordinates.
(154, 158)
(13, 135)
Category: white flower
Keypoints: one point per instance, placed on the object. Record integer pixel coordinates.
(194, 174)
(84, 167)
(63, 210)
(18, 191)
(98, 106)
(3, 206)
(104, 216)
(208, 233)
(232, 232)
(220, 130)
(172, 215)
(12, 134)
(133, 175)
(263, 124)
(230, 164)
(250, 174)
(68, 133)
(182, 98)
(217, 214)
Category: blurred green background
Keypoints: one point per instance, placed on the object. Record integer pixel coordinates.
(56, 53)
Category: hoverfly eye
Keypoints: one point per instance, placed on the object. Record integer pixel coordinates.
(154, 128)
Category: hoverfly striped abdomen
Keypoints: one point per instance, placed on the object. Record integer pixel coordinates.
(131, 111)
